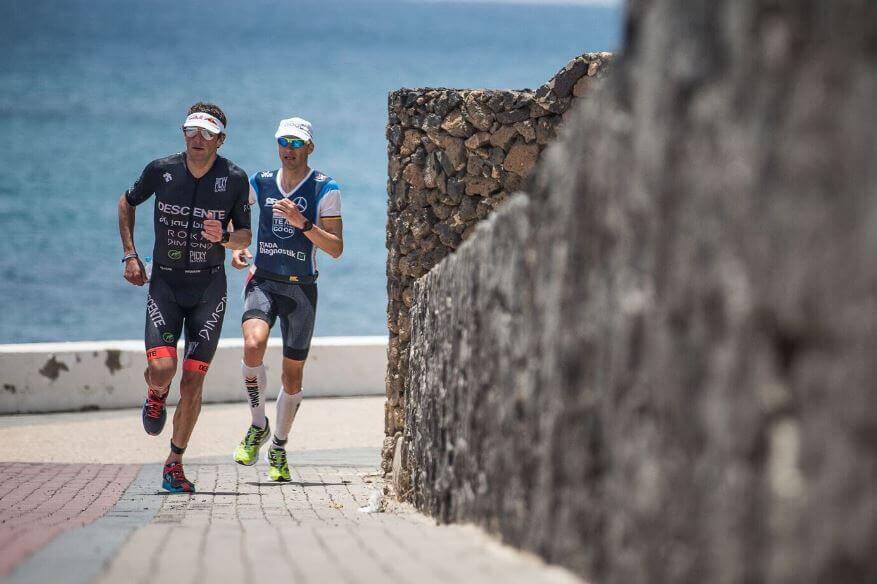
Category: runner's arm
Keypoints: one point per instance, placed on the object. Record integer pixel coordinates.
(126, 225)
(327, 235)
(240, 233)
(134, 272)
(240, 258)
(239, 239)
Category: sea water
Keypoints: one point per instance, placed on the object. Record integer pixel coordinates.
(92, 90)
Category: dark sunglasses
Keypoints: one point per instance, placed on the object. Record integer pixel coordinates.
(295, 143)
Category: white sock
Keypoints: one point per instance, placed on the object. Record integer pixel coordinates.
(287, 407)
(255, 381)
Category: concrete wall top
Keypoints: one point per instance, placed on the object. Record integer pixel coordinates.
(360, 341)
(52, 377)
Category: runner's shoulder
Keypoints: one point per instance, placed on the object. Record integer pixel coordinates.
(234, 169)
(269, 174)
(328, 183)
(167, 162)
(263, 175)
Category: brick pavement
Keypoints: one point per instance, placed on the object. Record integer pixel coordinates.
(39, 501)
(238, 526)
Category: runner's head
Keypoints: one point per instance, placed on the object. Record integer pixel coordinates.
(295, 142)
(204, 131)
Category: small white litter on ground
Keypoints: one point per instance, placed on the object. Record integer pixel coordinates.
(375, 502)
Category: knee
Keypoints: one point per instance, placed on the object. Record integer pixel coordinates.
(161, 371)
(254, 348)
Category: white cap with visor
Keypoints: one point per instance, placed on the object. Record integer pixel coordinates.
(295, 127)
(206, 121)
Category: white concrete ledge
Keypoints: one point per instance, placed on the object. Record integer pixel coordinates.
(56, 377)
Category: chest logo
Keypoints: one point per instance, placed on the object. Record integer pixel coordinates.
(279, 225)
(167, 177)
(267, 174)
(219, 187)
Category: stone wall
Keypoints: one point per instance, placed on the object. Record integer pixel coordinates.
(455, 156)
(659, 365)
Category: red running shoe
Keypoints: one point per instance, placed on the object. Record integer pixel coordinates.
(174, 479)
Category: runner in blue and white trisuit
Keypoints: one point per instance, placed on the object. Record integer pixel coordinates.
(300, 211)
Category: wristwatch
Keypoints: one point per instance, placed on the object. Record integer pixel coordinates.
(307, 226)
(225, 236)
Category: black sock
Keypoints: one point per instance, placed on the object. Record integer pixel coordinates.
(277, 442)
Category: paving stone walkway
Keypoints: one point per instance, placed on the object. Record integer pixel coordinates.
(111, 523)
(39, 501)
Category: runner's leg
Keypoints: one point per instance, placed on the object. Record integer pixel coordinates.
(297, 313)
(203, 328)
(289, 399)
(187, 412)
(258, 318)
(164, 321)
(256, 333)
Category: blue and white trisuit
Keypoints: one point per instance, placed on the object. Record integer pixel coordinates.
(283, 283)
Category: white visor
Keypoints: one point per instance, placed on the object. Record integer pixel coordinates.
(206, 121)
(295, 127)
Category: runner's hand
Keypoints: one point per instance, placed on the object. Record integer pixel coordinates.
(287, 209)
(135, 272)
(240, 258)
(212, 229)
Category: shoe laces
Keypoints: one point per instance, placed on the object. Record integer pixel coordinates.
(176, 471)
(154, 404)
(277, 456)
(253, 435)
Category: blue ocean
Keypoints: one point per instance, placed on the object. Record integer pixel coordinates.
(92, 90)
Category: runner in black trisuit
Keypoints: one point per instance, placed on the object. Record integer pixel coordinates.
(198, 197)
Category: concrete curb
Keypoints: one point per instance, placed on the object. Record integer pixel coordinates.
(55, 377)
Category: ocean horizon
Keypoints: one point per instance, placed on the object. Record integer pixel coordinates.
(90, 92)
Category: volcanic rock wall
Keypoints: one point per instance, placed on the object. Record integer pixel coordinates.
(659, 366)
(454, 156)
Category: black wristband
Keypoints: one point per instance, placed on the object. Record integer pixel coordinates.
(307, 226)
(128, 256)
(225, 236)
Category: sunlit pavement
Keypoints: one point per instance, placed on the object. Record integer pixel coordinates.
(80, 501)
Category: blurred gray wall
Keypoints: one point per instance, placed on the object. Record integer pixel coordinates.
(659, 364)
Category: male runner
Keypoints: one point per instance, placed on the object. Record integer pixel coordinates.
(198, 194)
(300, 211)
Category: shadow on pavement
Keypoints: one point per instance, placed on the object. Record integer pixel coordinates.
(298, 484)
(167, 494)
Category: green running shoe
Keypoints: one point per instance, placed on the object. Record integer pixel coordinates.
(247, 452)
(278, 469)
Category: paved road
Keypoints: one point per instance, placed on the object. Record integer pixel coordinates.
(79, 502)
